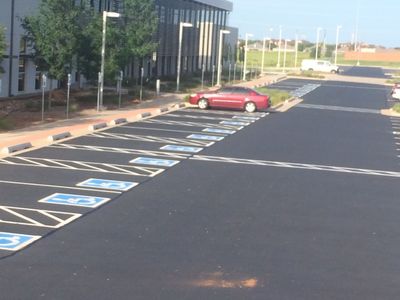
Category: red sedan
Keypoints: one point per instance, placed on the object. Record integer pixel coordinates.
(231, 97)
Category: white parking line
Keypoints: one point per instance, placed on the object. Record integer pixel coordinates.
(189, 124)
(150, 139)
(339, 108)
(120, 150)
(82, 166)
(55, 186)
(291, 165)
(36, 217)
(197, 117)
(160, 129)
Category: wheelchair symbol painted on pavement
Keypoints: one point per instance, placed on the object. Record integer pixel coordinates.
(15, 241)
(114, 185)
(75, 200)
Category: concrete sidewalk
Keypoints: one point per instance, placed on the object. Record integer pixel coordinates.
(45, 134)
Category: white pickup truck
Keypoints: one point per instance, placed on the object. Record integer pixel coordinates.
(318, 66)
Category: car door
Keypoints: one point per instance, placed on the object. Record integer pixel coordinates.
(223, 97)
(240, 97)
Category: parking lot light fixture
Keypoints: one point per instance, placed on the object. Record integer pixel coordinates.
(221, 34)
(263, 53)
(279, 47)
(106, 14)
(178, 71)
(317, 43)
(284, 55)
(337, 42)
(245, 55)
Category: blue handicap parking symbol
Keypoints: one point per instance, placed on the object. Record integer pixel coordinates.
(15, 241)
(205, 137)
(221, 131)
(75, 200)
(235, 123)
(181, 148)
(155, 161)
(252, 119)
(106, 184)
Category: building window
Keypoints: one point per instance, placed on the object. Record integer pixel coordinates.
(21, 74)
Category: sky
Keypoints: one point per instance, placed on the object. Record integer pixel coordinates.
(378, 20)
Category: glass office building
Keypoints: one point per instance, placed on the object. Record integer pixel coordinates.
(199, 43)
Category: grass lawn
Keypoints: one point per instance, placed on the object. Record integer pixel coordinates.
(276, 96)
(254, 60)
(396, 107)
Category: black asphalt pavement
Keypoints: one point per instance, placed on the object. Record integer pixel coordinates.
(295, 205)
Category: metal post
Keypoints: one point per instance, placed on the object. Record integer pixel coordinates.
(234, 72)
(178, 71)
(317, 43)
(98, 91)
(213, 75)
(221, 33)
(44, 80)
(229, 74)
(103, 53)
(263, 56)
(284, 57)
(337, 42)
(245, 56)
(141, 83)
(121, 77)
(68, 92)
(202, 76)
(158, 87)
(279, 44)
(296, 51)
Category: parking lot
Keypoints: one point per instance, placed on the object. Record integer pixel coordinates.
(213, 204)
(48, 188)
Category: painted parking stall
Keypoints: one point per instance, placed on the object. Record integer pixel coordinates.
(86, 173)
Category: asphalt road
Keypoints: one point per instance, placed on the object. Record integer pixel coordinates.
(295, 205)
(364, 72)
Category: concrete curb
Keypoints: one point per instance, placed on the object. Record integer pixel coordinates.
(118, 121)
(35, 141)
(16, 148)
(145, 115)
(97, 126)
(59, 136)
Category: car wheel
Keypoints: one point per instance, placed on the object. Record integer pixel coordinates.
(203, 103)
(250, 107)
(333, 72)
(310, 69)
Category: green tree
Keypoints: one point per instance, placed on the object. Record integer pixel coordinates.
(132, 36)
(3, 46)
(53, 34)
(89, 47)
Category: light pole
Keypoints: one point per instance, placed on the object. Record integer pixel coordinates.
(284, 55)
(245, 55)
(337, 41)
(263, 53)
(317, 43)
(106, 14)
(221, 33)
(279, 45)
(178, 73)
(296, 46)
(270, 39)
